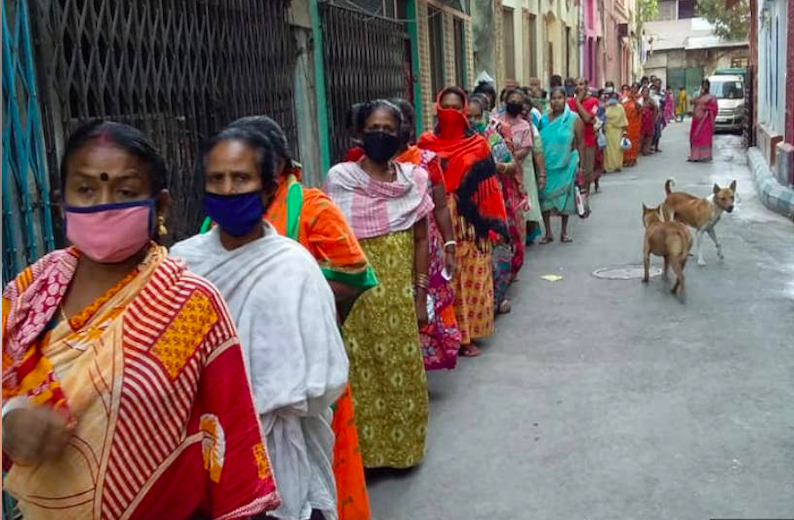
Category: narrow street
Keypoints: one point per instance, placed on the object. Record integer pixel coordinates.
(601, 399)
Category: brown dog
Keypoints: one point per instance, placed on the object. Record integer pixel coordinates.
(666, 238)
(702, 214)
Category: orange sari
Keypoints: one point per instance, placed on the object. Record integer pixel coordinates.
(308, 216)
(634, 118)
(151, 376)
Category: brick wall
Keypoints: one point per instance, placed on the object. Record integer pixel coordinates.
(449, 49)
(499, 47)
(470, 54)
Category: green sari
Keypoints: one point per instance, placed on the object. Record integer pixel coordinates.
(562, 161)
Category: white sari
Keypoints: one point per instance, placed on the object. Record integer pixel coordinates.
(286, 317)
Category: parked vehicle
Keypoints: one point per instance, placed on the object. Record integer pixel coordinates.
(729, 90)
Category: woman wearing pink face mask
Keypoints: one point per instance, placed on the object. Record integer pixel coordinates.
(124, 387)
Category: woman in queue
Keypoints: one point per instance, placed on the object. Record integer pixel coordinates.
(124, 385)
(478, 213)
(387, 204)
(440, 337)
(563, 139)
(308, 216)
(284, 311)
(502, 253)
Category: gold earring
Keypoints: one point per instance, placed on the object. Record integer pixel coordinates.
(161, 229)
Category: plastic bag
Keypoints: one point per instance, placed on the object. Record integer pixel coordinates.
(582, 206)
(625, 144)
(601, 140)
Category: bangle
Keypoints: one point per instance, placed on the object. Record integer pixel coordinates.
(422, 281)
(450, 243)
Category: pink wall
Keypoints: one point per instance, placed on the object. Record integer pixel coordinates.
(790, 75)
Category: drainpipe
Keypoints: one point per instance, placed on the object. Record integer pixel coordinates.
(413, 31)
(319, 88)
(582, 39)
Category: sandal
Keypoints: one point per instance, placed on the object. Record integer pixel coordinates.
(505, 307)
(565, 239)
(547, 239)
(470, 350)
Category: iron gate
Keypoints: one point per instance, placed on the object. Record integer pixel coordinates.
(27, 216)
(178, 69)
(366, 57)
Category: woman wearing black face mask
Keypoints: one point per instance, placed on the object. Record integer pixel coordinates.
(387, 204)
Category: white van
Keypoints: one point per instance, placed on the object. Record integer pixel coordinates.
(730, 101)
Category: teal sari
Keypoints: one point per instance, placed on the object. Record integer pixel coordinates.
(561, 163)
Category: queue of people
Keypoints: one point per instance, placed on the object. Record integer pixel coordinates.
(258, 368)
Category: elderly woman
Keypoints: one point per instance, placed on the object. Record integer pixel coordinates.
(308, 216)
(285, 312)
(387, 204)
(124, 383)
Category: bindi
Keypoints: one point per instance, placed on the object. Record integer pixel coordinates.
(104, 177)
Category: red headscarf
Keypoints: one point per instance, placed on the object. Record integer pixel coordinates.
(469, 168)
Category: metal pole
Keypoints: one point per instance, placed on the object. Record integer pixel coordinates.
(414, 32)
(319, 89)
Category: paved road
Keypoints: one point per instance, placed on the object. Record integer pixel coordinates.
(604, 399)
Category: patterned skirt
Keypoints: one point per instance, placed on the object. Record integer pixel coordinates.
(440, 338)
(387, 374)
(474, 299)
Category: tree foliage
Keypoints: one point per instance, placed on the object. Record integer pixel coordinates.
(731, 22)
(646, 11)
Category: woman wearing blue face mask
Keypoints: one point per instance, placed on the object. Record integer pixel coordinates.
(122, 370)
(285, 313)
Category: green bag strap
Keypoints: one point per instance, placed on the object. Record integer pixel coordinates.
(206, 225)
(294, 207)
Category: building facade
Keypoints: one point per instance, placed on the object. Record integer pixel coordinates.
(772, 31)
(517, 40)
(683, 48)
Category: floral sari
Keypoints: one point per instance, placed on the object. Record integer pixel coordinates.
(701, 133)
(440, 338)
(152, 377)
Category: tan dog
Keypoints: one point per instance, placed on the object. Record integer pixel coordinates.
(701, 214)
(666, 238)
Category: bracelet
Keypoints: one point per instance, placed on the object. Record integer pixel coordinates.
(422, 281)
(450, 243)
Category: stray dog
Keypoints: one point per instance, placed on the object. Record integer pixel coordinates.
(667, 238)
(701, 214)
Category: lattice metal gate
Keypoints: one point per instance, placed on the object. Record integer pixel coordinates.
(27, 217)
(178, 69)
(366, 57)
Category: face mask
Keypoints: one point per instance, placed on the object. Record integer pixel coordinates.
(235, 214)
(452, 123)
(477, 125)
(380, 146)
(514, 109)
(110, 233)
